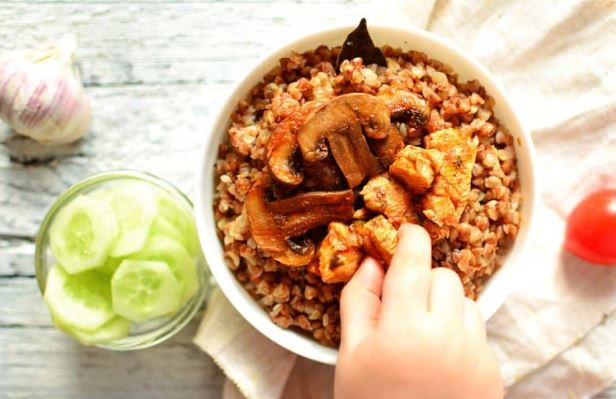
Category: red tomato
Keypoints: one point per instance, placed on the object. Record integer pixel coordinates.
(591, 228)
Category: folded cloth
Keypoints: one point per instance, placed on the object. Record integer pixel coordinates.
(556, 336)
(258, 366)
(576, 373)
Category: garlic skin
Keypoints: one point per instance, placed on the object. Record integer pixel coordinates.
(41, 95)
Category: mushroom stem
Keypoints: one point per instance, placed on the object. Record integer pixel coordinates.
(342, 124)
(313, 200)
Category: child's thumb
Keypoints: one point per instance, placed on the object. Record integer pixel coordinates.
(360, 303)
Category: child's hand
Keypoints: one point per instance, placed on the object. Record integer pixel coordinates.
(412, 333)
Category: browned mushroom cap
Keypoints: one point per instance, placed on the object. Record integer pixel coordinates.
(266, 232)
(387, 149)
(340, 123)
(282, 153)
(323, 175)
(298, 254)
(273, 225)
(406, 106)
(372, 113)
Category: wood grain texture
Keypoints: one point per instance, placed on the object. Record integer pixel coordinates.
(145, 127)
(168, 42)
(155, 72)
(40, 362)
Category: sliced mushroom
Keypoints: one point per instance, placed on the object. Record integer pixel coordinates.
(274, 225)
(265, 231)
(387, 149)
(282, 151)
(372, 113)
(340, 123)
(318, 200)
(283, 157)
(323, 175)
(351, 152)
(299, 214)
(406, 106)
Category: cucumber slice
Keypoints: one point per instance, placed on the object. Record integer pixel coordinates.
(135, 207)
(144, 290)
(80, 301)
(115, 328)
(110, 266)
(102, 193)
(162, 227)
(177, 258)
(82, 234)
(180, 218)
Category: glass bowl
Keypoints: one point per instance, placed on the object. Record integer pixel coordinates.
(142, 335)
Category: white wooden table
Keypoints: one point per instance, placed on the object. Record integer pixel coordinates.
(154, 72)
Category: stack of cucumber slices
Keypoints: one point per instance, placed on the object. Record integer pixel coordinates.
(125, 254)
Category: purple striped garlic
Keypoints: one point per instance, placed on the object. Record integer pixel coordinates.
(41, 95)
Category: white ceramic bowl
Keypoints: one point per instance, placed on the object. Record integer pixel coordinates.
(499, 285)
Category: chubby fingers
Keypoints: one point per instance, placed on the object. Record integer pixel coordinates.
(407, 282)
(446, 295)
(360, 303)
(473, 319)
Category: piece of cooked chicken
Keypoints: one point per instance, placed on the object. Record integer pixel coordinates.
(417, 167)
(453, 184)
(436, 232)
(439, 209)
(339, 254)
(384, 195)
(379, 238)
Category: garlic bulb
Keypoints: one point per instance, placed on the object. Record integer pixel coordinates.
(41, 95)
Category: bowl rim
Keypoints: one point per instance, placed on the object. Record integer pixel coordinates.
(233, 290)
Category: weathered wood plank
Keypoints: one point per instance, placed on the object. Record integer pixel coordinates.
(38, 361)
(16, 259)
(150, 128)
(41, 362)
(22, 304)
(167, 42)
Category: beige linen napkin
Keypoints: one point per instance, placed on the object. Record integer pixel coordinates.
(556, 337)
